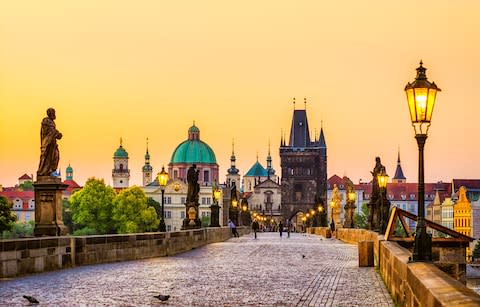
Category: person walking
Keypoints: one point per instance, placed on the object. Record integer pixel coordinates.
(233, 228)
(280, 228)
(255, 227)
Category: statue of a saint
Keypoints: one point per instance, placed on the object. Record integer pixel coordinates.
(50, 155)
(193, 186)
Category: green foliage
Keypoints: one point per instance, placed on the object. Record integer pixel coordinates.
(92, 207)
(156, 205)
(131, 212)
(205, 221)
(26, 186)
(67, 215)
(476, 251)
(399, 231)
(7, 218)
(361, 219)
(85, 231)
(20, 230)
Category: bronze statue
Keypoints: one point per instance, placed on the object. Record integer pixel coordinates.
(378, 205)
(50, 155)
(193, 186)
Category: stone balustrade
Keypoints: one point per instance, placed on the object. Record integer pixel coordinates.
(34, 255)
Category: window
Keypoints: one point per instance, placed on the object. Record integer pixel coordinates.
(27, 216)
(169, 227)
(206, 176)
(168, 200)
(175, 174)
(168, 214)
(208, 200)
(205, 213)
(403, 196)
(182, 200)
(203, 201)
(298, 192)
(412, 196)
(182, 214)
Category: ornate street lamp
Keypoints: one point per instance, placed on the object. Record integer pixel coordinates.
(421, 100)
(162, 180)
(382, 180)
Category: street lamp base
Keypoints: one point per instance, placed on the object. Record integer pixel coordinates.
(422, 248)
(162, 227)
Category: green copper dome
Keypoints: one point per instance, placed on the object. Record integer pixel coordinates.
(120, 153)
(193, 150)
(69, 169)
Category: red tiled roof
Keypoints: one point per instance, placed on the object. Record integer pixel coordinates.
(26, 177)
(470, 184)
(72, 185)
(335, 180)
(24, 195)
(408, 191)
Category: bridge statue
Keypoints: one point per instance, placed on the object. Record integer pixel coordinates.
(48, 187)
(378, 206)
(192, 219)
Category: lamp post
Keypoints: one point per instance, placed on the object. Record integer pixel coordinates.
(162, 180)
(234, 211)
(332, 222)
(421, 100)
(349, 209)
(215, 208)
(382, 180)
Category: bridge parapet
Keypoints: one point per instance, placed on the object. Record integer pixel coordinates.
(411, 283)
(41, 254)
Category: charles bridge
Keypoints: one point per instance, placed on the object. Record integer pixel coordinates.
(206, 267)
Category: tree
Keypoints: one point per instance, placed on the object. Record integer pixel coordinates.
(361, 219)
(20, 230)
(26, 186)
(131, 212)
(476, 251)
(7, 218)
(92, 207)
(67, 215)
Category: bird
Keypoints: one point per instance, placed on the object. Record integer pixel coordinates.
(161, 297)
(303, 256)
(31, 299)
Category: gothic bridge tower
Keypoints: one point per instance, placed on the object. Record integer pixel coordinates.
(304, 168)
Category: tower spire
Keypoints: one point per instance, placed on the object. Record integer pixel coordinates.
(294, 103)
(399, 177)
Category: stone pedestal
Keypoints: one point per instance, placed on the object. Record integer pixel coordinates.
(191, 221)
(214, 215)
(365, 254)
(48, 207)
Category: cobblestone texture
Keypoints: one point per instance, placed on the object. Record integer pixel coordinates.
(269, 271)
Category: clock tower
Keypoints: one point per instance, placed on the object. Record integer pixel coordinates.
(120, 172)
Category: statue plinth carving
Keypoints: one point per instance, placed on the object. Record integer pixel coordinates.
(48, 207)
(48, 188)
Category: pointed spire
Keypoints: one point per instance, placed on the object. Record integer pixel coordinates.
(436, 201)
(294, 103)
(232, 170)
(305, 102)
(147, 145)
(121, 141)
(399, 177)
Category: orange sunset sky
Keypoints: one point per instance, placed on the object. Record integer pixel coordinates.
(138, 69)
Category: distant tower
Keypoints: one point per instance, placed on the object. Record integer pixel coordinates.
(120, 172)
(304, 168)
(399, 177)
(147, 169)
(69, 172)
(270, 170)
(232, 172)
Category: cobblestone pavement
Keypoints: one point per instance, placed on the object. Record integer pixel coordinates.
(303, 270)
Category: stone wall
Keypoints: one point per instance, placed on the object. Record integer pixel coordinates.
(34, 255)
(411, 284)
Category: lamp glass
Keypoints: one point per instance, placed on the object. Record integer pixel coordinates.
(217, 194)
(234, 203)
(163, 178)
(382, 180)
(352, 196)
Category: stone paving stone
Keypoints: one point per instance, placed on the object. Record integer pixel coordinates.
(269, 271)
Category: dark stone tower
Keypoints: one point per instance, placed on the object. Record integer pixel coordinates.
(304, 168)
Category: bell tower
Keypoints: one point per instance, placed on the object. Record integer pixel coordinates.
(147, 169)
(120, 172)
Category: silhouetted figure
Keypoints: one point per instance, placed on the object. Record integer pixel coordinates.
(31, 299)
(193, 186)
(162, 298)
(49, 154)
(233, 228)
(280, 228)
(255, 227)
(303, 256)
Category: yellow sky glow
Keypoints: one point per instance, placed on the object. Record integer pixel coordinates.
(138, 69)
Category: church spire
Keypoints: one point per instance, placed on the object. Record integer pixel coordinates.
(232, 170)
(399, 177)
(147, 169)
(270, 170)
